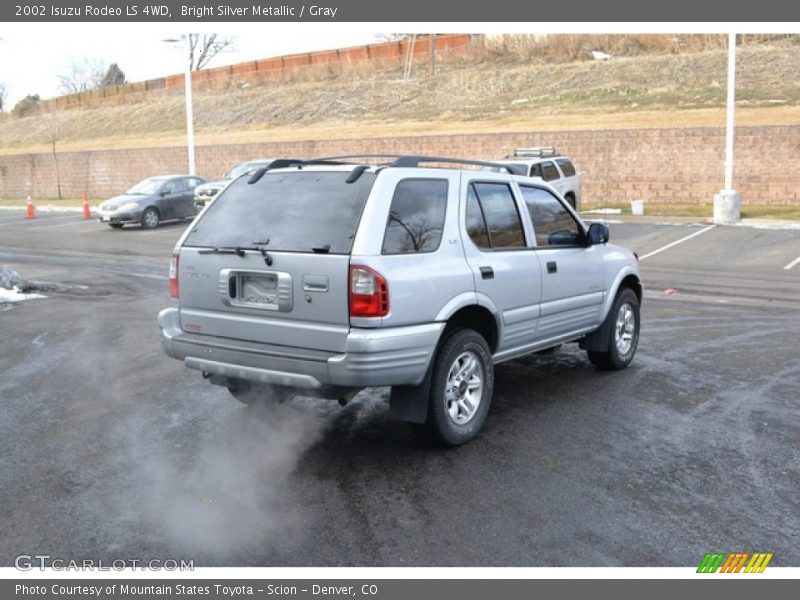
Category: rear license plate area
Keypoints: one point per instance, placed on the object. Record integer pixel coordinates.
(259, 291)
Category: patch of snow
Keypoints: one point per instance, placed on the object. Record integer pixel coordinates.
(14, 295)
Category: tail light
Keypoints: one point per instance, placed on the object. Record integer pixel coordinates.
(173, 275)
(369, 294)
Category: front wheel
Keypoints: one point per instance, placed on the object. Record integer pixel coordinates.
(622, 324)
(150, 218)
(462, 384)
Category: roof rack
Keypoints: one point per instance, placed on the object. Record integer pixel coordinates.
(414, 161)
(390, 160)
(534, 152)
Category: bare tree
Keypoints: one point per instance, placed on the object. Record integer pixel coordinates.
(203, 47)
(113, 76)
(82, 76)
(52, 121)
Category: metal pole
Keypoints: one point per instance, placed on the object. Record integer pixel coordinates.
(731, 109)
(187, 86)
(433, 54)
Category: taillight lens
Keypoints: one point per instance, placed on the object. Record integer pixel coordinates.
(369, 293)
(173, 275)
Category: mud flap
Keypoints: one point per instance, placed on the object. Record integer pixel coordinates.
(410, 402)
(598, 340)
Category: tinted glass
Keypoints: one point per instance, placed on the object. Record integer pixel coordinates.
(476, 226)
(566, 167)
(295, 211)
(416, 217)
(549, 171)
(536, 170)
(553, 224)
(500, 213)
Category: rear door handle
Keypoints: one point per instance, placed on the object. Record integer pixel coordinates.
(552, 267)
(487, 273)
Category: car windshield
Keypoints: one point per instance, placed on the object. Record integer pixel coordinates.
(243, 168)
(147, 186)
(291, 211)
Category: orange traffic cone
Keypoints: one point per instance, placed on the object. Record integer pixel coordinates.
(87, 214)
(31, 209)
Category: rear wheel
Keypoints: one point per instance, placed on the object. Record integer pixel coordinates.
(248, 392)
(622, 324)
(150, 218)
(461, 389)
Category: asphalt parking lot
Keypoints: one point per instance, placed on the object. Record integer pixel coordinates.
(108, 449)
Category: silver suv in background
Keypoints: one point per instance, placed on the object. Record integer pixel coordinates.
(205, 193)
(554, 168)
(327, 276)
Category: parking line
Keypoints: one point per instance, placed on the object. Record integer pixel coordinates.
(676, 242)
(793, 263)
(68, 224)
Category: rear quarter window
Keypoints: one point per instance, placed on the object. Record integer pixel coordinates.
(567, 168)
(416, 217)
(291, 211)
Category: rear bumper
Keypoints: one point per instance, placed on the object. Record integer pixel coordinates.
(372, 357)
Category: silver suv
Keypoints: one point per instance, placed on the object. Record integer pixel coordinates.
(323, 277)
(556, 169)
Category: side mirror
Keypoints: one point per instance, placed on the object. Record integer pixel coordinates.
(598, 234)
(163, 193)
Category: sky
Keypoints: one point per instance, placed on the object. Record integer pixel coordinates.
(32, 57)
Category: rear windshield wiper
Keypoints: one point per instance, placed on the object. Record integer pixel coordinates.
(238, 251)
(321, 248)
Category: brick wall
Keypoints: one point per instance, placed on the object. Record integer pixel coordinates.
(257, 71)
(657, 165)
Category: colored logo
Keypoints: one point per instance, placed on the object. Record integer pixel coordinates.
(734, 562)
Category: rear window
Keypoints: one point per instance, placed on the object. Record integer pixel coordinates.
(566, 167)
(286, 211)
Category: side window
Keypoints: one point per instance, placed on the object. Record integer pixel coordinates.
(549, 171)
(476, 225)
(170, 187)
(566, 167)
(536, 170)
(553, 224)
(416, 217)
(501, 222)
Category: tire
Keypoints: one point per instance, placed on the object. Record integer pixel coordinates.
(456, 409)
(622, 323)
(250, 393)
(570, 198)
(150, 218)
(115, 225)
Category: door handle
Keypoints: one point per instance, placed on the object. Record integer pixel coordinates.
(552, 267)
(487, 272)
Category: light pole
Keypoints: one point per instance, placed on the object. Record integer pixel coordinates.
(728, 203)
(187, 89)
